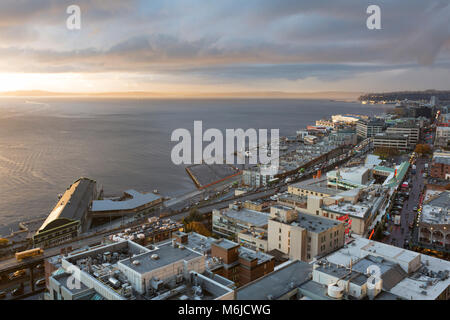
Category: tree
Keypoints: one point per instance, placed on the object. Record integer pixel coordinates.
(423, 149)
(385, 152)
(198, 227)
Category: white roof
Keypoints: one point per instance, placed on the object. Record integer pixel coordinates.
(138, 199)
(412, 286)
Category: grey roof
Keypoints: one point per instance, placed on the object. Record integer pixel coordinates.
(74, 202)
(316, 185)
(251, 217)
(226, 244)
(443, 160)
(442, 200)
(314, 290)
(391, 273)
(65, 278)
(135, 200)
(343, 273)
(167, 255)
(276, 283)
(315, 223)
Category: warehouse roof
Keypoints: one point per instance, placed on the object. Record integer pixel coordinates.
(134, 200)
(73, 204)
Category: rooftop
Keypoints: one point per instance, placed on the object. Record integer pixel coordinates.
(442, 160)
(251, 217)
(166, 255)
(134, 200)
(436, 210)
(355, 210)
(276, 283)
(316, 185)
(73, 203)
(315, 224)
(427, 274)
(225, 244)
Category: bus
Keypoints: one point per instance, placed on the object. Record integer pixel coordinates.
(29, 253)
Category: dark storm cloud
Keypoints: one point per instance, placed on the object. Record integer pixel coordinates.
(288, 39)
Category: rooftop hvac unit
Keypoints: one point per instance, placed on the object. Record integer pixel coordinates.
(136, 262)
(154, 256)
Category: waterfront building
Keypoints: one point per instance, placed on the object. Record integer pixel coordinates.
(130, 203)
(69, 217)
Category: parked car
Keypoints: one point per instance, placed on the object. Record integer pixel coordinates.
(40, 283)
(17, 292)
(17, 274)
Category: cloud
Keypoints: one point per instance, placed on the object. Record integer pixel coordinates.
(221, 41)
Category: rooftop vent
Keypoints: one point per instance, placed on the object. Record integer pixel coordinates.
(155, 256)
(136, 262)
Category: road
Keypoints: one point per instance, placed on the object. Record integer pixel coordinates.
(397, 237)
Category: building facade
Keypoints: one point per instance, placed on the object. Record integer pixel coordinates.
(302, 236)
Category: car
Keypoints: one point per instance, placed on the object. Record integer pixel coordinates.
(40, 283)
(3, 294)
(17, 274)
(415, 209)
(17, 292)
(386, 233)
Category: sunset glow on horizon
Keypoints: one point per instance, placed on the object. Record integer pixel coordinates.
(189, 47)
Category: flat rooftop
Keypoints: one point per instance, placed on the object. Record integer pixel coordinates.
(225, 244)
(316, 185)
(251, 217)
(343, 273)
(354, 210)
(442, 160)
(431, 277)
(276, 283)
(315, 223)
(248, 254)
(206, 174)
(436, 210)
(166, 255)
(137, 200)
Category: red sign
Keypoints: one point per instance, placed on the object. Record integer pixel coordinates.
(347, 222)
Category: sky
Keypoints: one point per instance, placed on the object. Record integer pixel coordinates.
(224, 46)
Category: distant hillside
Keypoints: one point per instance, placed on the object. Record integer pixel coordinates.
(409, 95)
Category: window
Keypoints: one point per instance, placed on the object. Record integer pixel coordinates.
(280, 230)
(279, 246)
(279, 238)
